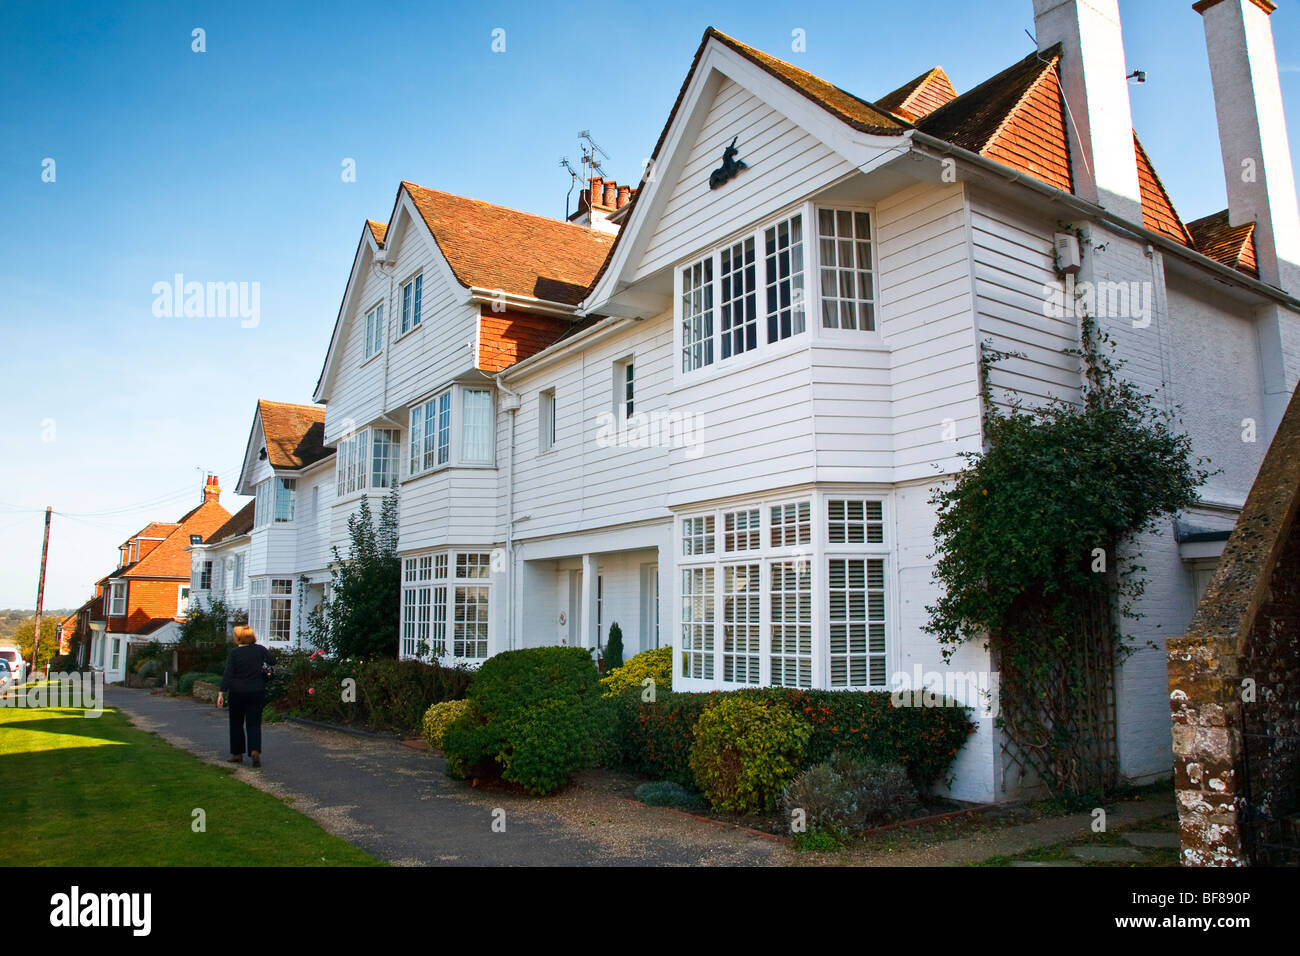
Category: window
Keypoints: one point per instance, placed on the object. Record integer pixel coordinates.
(697, 535)
(315, 500)
(783, 272)
(476, 426)
(182, 600)
(854, 522)
(196, 539)
(844, 251)
(117, 598)
(237, 579)
(546, 420)
(428, 582)
(430, 444)
(791, 617)
(411, 292)
(384, 454)
(624, 390)
(273, 501)
(791, 524)
(740, 530)
(857, 622)
(697, 315)
(697, 623)
(737, 299)
(374, 330)
(205, 576)
(742, 592)
(270, 609)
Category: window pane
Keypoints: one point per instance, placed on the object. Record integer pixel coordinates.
(783, 250)
(476, 442)
(846, 282)
(697, 315)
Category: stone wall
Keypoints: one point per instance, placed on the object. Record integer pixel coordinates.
(1234, 682)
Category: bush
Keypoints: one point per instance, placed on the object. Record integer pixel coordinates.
(535, 716)
(438, 718)
(655, 739)
(657, 665)
(614, 647)
(150, 668)
(665, 793)
(744, 752)
(64, 664)
(841, 796)
(185, 686)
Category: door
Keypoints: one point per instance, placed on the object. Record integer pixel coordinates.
(649, 606)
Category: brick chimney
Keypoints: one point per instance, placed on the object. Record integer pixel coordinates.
(602, 197)
(1252, 133)
(1093, 79)
(211, 490)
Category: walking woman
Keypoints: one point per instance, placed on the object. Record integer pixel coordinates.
(247, 668)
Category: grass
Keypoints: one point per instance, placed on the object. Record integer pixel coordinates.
(78, 791)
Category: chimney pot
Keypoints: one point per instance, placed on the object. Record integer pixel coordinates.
(624, 196)
(611, 193)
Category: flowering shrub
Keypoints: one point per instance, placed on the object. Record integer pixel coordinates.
(745, 750)
(439, 717)
(656, 665)
(840, 797)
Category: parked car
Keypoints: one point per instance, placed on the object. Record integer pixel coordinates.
(13, 658)
(6, 675)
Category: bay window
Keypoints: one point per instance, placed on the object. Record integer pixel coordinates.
(456, 427)
(790, 593)
(476, 426)
(270, 609)
(273, 501)
(441, 589)
(753, 291)
(366, 458)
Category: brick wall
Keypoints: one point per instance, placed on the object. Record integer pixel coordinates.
(1234, 681)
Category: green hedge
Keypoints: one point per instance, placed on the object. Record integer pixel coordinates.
(389, 694)
(923, 740)
(535, 715)
(185, 686)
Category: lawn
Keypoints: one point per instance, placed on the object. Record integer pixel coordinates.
(77, 791)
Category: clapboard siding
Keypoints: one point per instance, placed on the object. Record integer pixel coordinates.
(1013, 270)
(784, 164)
(925, 316)
(452, 506)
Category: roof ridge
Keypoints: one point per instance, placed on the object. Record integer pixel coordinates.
(549, 220)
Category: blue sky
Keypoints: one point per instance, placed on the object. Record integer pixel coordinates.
(225, 166)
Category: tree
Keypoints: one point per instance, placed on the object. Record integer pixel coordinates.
(49, 649)
(363, 614)
(614, 647)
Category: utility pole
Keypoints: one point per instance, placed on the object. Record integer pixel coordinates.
(40, 590)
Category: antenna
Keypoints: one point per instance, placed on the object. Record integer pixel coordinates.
(574, 179)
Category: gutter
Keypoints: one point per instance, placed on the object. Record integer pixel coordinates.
(1164, 243)
(586, 337)
(511, 403)
(491, 296)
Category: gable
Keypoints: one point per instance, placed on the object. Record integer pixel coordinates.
(783, 163)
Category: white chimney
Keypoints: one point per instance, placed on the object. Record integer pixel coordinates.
(1093, 78)
(1252, 133)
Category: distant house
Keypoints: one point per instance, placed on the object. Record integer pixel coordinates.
(147, 594)
(272, 559)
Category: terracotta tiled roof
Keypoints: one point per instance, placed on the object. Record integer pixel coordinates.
(493, 247)
(157, 529)
(853, 110)
(1158, 213)
(378, 230)
(240, 523)
(294, 433)
(1232, 245)
(169, 559)
(921, 96)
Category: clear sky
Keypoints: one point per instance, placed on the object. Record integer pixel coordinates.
(225, 166)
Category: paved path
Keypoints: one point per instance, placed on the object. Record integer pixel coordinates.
(399, 804)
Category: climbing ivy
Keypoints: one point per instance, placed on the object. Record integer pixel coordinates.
(1026, 548)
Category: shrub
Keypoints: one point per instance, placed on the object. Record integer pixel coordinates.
(659, 735)
(843, 796)
(744, 752)
(657, 665)
(150, 668)
(665, 793)
(64, 664)
(614, 647)
(438, 718)
(204, 643)
(534, 716)
(185, 686)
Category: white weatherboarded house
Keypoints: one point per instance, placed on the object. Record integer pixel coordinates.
(722, 428)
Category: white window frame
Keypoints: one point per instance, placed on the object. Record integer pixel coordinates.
(374, 330)
(547, 431)
(182, 600)
(447, 451)
(818, 263)
(436, 598)
(411, 303)
(814, 557)
(624, 392)
(237, 578)
(117, 594)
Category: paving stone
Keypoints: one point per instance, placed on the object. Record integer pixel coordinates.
(1046, 863)
(1162, 840)
(1110, 854)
